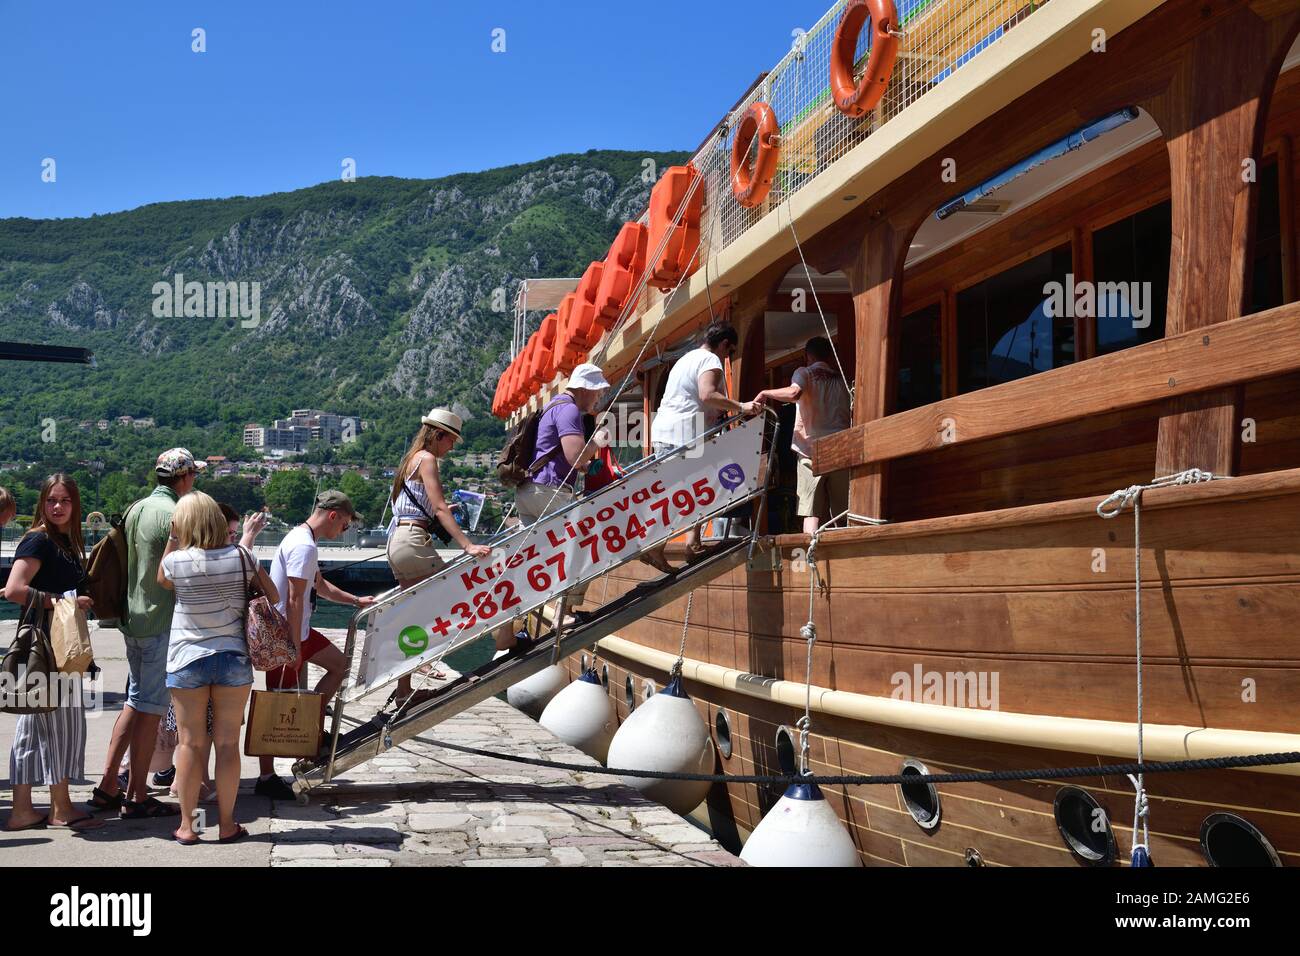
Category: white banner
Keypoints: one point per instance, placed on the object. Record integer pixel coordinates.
(581, 542)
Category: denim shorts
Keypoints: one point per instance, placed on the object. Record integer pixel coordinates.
(146, 686)
(222, 669)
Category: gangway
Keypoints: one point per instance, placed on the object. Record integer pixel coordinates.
(405, 629)
(426, 708)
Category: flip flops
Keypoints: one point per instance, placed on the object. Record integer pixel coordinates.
(239, 834)
(40, 824)
(185, 841)
(145, 809)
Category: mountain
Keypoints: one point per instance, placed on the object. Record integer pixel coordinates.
(376, 299)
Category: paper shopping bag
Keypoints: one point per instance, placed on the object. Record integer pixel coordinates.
(284, 724)
(70, 636)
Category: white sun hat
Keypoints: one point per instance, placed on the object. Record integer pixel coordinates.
(589, 376)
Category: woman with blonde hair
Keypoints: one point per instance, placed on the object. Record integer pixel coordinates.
(207, 653)
(420, 508)
(50, 748)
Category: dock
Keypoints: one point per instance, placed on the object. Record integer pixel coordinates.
(416, 805)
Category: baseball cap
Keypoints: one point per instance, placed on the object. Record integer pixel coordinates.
(177, 461)
(589, 376)
(335, 500)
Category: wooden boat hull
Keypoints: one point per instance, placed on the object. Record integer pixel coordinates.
(1043, 598)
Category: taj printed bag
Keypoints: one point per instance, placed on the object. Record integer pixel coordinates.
(270, 645)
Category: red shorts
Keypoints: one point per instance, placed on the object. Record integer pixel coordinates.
(287, 677)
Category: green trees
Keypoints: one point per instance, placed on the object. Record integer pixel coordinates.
(240, 493)
(290, 494)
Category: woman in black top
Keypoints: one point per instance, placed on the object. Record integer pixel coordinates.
(50, 748)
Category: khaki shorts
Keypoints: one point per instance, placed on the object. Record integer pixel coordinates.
(821, 496)
(413, 553)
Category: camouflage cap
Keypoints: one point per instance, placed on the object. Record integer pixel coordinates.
(177, 461)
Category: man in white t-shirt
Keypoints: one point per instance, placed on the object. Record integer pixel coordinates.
(295, 571)
(695, 399)
(821, 407)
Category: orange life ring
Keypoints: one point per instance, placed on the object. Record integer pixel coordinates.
(750, 187)
(862, 97)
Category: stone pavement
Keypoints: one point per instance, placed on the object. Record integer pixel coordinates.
(416, 805)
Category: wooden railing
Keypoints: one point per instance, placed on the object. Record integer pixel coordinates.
(1216, 356)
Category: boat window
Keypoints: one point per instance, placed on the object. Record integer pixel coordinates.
(920, 359)
(1230, 840)
(1267, 289)
(785, 751)
(921, 799)
(1007, 327)
(629, 693)
(1084, 826)
(1131, 270)
(722, 733)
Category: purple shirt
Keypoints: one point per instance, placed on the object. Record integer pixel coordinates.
(560, 418)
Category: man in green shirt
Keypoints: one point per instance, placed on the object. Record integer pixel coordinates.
(145, 627)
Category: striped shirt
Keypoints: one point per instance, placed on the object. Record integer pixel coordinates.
(210, 604)
(406, 508)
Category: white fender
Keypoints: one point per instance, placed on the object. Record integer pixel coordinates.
(582, 716)
(532, 694)
(801, 830)
(666, 733)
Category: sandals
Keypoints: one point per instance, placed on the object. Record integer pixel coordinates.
(88, 822)
(100, 801)
(145, 809)
(239, 834)
(40, 824)
(185, 841)
(658, 562)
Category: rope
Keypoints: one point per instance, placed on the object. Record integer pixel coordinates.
(809, 633)
(1111, 507)
(817, 302)
(686, 623)
(867, 780)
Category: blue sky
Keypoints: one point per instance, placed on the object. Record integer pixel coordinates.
(131, 114)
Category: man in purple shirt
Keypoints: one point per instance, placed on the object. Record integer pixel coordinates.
(560, 459)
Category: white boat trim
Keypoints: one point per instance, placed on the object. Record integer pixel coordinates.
(1117, 738)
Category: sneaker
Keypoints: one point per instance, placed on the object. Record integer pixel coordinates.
(164, 778)
(275, 788)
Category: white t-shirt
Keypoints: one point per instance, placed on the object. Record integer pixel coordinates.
(822, 407)
(295, 558)
(210, 604)
(681, 416)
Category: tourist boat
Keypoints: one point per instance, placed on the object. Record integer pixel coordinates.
(1054, 245)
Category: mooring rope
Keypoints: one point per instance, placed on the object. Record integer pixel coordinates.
(1111, 507)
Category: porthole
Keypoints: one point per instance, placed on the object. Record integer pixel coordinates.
(1229, 840)
(647, 690)
(785, 751)
(722, 733)
(973, 857)
(629, 694)
(584, 663)
(604, 676)
(921, 799)
(1085, 826)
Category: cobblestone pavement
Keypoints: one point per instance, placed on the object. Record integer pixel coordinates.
(416, 805)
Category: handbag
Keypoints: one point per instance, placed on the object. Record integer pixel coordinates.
(70, 637)
(36, 691)
(270, 645)
(603, 470)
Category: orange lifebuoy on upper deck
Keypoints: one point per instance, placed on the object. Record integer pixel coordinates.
(750, 187)
(856, 99)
